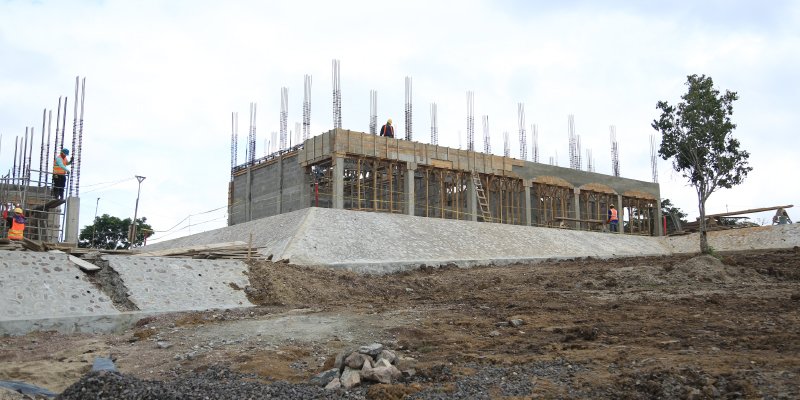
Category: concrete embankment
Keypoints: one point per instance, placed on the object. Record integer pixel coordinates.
(47, 291)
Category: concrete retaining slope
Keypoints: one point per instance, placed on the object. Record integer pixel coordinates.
(381, 242)
(160, 284)
(760, 237)
(45, 291)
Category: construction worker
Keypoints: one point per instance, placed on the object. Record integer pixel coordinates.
(17, 225)
(781, 217)
(388, 130)
(613, 219)
(60, 172)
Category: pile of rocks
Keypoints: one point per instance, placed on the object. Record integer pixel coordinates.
(371, 363)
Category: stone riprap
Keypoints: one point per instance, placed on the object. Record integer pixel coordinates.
(34, 285)
(755, 238)
(159, 284)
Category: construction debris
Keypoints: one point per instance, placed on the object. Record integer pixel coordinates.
(229, 250)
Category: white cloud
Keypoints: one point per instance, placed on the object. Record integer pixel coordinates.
(163, 77)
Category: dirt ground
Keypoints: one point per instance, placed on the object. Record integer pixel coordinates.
(652, 327)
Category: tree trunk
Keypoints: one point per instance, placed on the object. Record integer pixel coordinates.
(704, 247)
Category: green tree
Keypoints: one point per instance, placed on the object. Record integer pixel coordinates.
(111, 233)
(697, 135)
(673, 213)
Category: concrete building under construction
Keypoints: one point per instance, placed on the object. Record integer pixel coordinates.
(345, 169)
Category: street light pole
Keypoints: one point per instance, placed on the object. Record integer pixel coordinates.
(94, 229)
(132, 234)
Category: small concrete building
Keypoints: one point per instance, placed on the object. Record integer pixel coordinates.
(352, 170)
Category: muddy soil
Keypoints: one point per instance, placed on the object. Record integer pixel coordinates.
(650, 327)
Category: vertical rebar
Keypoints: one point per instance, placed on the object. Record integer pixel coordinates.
(297, 129)
(284, 115)
(409, 117)
(337, 97)
(306, 107)
(47, 150)
(24, 170)
(63, 123)
(14, 167)
(30, 158)
(41, 150)
(79, 153)
(373, 112)
(470, 121)
(487, 144)
(233, 142)
(506, 147)
(56, 148)
(523, 136)
(435, 125)
(653, 158)
(74, 135)
(614, 151)
(535, 138)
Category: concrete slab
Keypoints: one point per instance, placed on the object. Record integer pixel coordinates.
(43, 285)
(160, 284)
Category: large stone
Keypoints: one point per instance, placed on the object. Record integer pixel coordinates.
(372, 349)
(324, 377)
(382, 374)
(388, 355)
(350, 378)
(357, 360)
(383, 363)
(335, 383)
(338, 363)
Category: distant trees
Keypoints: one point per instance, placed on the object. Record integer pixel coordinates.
(672, 213)
(111, 233)
(697, 135)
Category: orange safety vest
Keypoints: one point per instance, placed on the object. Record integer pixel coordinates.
(15, 233)
(57, 169)
(613, 214)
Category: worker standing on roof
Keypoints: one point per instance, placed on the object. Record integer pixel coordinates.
(388, 130)
(613, 219)
(60, 172)
(17, 225)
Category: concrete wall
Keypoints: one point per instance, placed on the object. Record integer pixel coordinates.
(270, 188)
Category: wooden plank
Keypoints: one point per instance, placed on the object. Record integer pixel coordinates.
(181, 250)
(84, 265)
(750, 211)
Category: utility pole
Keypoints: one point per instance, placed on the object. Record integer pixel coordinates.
(94, 224)
(132, 234)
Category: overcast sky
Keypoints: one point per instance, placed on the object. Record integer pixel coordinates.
(162, 78)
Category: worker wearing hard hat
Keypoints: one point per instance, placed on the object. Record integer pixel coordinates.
(388, 130)
(17, 225)
(60, 172)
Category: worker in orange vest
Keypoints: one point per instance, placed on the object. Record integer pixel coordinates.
(613, 219)
(17, 225)
(60, 172)
(388, 130)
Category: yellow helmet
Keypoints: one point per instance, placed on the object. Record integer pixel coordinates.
(18, 211)
(389, 121)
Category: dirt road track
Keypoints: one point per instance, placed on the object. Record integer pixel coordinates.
(656, 327)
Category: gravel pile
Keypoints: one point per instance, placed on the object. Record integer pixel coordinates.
(214, 383)
(488, 381)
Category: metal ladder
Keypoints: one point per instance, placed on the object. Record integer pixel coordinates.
(483, 203)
